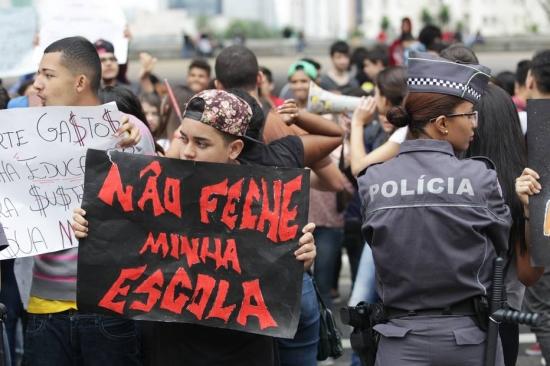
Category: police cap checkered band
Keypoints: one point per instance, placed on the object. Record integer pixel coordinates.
(428, 73)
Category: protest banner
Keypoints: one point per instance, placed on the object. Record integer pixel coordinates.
(538, 138)
(90, 19)
(42, 158)
(182, 241)
(17, 32)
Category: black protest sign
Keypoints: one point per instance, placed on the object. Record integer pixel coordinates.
(181, 241)
(538, 144)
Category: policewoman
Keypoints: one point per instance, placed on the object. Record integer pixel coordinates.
(434, 222)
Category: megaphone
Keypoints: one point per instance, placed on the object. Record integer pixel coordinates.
(320, 101)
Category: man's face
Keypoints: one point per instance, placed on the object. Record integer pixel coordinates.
(340, 61)
(55, 84)
(109, 65)
(372, 69)
(201, 142)
(197, 79)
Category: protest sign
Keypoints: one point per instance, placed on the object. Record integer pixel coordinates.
(538, 138)
(42, 158)
(17, 32)
(210, 244)
(90, 19)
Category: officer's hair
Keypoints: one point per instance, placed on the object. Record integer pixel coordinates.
(540, 69)
(80, 57)
(420, 108)
(499, 137)
(392, 83)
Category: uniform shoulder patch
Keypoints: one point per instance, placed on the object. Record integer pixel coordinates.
(362, 172)
(488, 162)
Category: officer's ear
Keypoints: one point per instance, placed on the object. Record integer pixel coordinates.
(440, 123)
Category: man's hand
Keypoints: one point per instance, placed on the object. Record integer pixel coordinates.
(364, 112)
(79, 224)
(307, 251)
(288, 111)
(147, 63)
(527, 185)
(129, 131)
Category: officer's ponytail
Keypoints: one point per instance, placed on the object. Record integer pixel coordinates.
(398, 116)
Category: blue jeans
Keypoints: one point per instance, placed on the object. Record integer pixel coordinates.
(364, 288)
(302, 349)
(70, 338)
(329, 247)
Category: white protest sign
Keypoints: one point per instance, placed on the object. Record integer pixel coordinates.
(17, 31)
(90, 19)
(42, 161)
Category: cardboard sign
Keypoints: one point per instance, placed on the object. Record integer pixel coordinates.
(17, 31)
(90, 19)
(42, 159)
(182, 241)
(538, 145)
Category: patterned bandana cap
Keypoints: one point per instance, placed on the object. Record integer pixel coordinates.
(222, 110)
(428, 73)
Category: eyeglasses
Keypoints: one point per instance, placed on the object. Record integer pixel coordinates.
(472, 116)
(107, 59)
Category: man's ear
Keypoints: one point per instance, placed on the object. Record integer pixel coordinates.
(530, 83)
(81, 83)
(218, 85)
(235, 149)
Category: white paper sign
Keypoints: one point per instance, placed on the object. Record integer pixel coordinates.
(17, 31)
(90, 19)
(42, 161)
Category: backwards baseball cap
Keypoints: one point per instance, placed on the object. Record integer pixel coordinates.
(308, 68)
(222, 110)
(103, 46)
(428, 73)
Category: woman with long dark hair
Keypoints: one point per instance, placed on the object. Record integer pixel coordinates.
(435, 223)
(499, 138)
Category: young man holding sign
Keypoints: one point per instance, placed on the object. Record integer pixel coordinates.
(57, 334)
(217, 135)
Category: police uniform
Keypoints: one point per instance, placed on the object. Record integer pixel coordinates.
(435, 224)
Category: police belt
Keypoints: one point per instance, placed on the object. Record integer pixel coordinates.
(463, 308)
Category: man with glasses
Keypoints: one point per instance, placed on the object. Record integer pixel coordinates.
(110, 68)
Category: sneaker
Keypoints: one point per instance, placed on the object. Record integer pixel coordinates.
(533, 350)
(542, 361)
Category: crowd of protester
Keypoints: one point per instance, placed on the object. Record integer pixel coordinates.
(337, 147)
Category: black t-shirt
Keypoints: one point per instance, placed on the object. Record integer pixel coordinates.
(174, 344)
(285, 152)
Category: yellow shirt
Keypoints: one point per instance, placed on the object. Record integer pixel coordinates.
(38, 305)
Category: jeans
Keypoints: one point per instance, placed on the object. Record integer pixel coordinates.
(329, 245)
(70, 338)
(302, 349)
(9, 296)
(364, 288)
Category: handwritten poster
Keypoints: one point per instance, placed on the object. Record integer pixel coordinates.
(42, 159)
(210, 244)
(538, 146)
(91, 19)
(17, 32)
